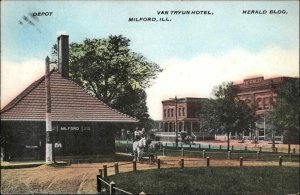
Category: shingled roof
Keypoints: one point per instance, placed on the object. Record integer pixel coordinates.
(68, 100)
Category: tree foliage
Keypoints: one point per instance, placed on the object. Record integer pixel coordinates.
(108, 69)
(285, 115)
(225, 113)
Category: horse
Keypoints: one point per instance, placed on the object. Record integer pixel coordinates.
(188, 139)
(185, 138)
(138, 148)
(153, 147)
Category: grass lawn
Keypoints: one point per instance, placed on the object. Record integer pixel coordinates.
(213, 180)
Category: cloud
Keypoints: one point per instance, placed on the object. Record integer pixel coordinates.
(58, 33)
(15, 77)
(197, 77)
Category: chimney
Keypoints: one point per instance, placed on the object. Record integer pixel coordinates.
(63, 55)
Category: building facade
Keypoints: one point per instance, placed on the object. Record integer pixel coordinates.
(81, 124)
(260, 94)
(183, 114)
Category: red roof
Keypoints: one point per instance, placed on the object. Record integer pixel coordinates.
(69, 102)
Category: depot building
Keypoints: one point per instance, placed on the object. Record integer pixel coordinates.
(81, 124)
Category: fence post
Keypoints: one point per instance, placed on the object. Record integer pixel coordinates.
(199, 146)
(220, 147)
(99, 182)
(164, 153)
(241, 161)
(182, 163)
(158, 163)
(276, 150)
(294, 150)
(246, 148)
(280, 161)
(190, 145)
(290, 155)
(134, 165)
(260, 149)
(126, 148)
(258, 155)
(116, 168)
(104, 171)
(229, 155)
(209, 146)
(207, 161)
(182, 152)
(203, 153)
(112, 189)
(232, 147)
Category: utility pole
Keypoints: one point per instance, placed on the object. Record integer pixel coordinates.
(176, 129)
(265, 126)
(49, 157)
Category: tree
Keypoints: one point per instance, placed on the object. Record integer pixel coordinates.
(285, 114)
(226, 113)
(108, 69)
(133, 102)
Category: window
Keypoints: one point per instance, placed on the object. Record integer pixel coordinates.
(168, 112)
(172, 112)
(259, 103)
(165, 113)
(179, 112)
(267, 102)
(183, 112)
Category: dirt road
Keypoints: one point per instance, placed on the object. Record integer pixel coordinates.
(81, 178)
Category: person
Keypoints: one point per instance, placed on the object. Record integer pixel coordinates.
(136, 134)
(143, 133)
(57, 149)
(122, 133)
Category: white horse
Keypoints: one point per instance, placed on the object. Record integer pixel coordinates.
(138, 148)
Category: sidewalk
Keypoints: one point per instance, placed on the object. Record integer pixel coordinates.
(20, 164)
(26, 164)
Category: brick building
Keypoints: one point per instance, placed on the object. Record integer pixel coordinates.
(261, 95)
(184, 111)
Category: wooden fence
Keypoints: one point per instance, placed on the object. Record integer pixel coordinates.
(126, 146)
(230, 155)
(112, 185)
(103, 184)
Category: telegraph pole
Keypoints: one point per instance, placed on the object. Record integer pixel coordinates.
(49, 157)
(176, 129)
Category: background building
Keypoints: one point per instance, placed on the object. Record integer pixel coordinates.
(261, 95)
(187, 118)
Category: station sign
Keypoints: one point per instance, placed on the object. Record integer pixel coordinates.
(75, 128)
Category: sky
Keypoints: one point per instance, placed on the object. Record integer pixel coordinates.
(197, 51)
